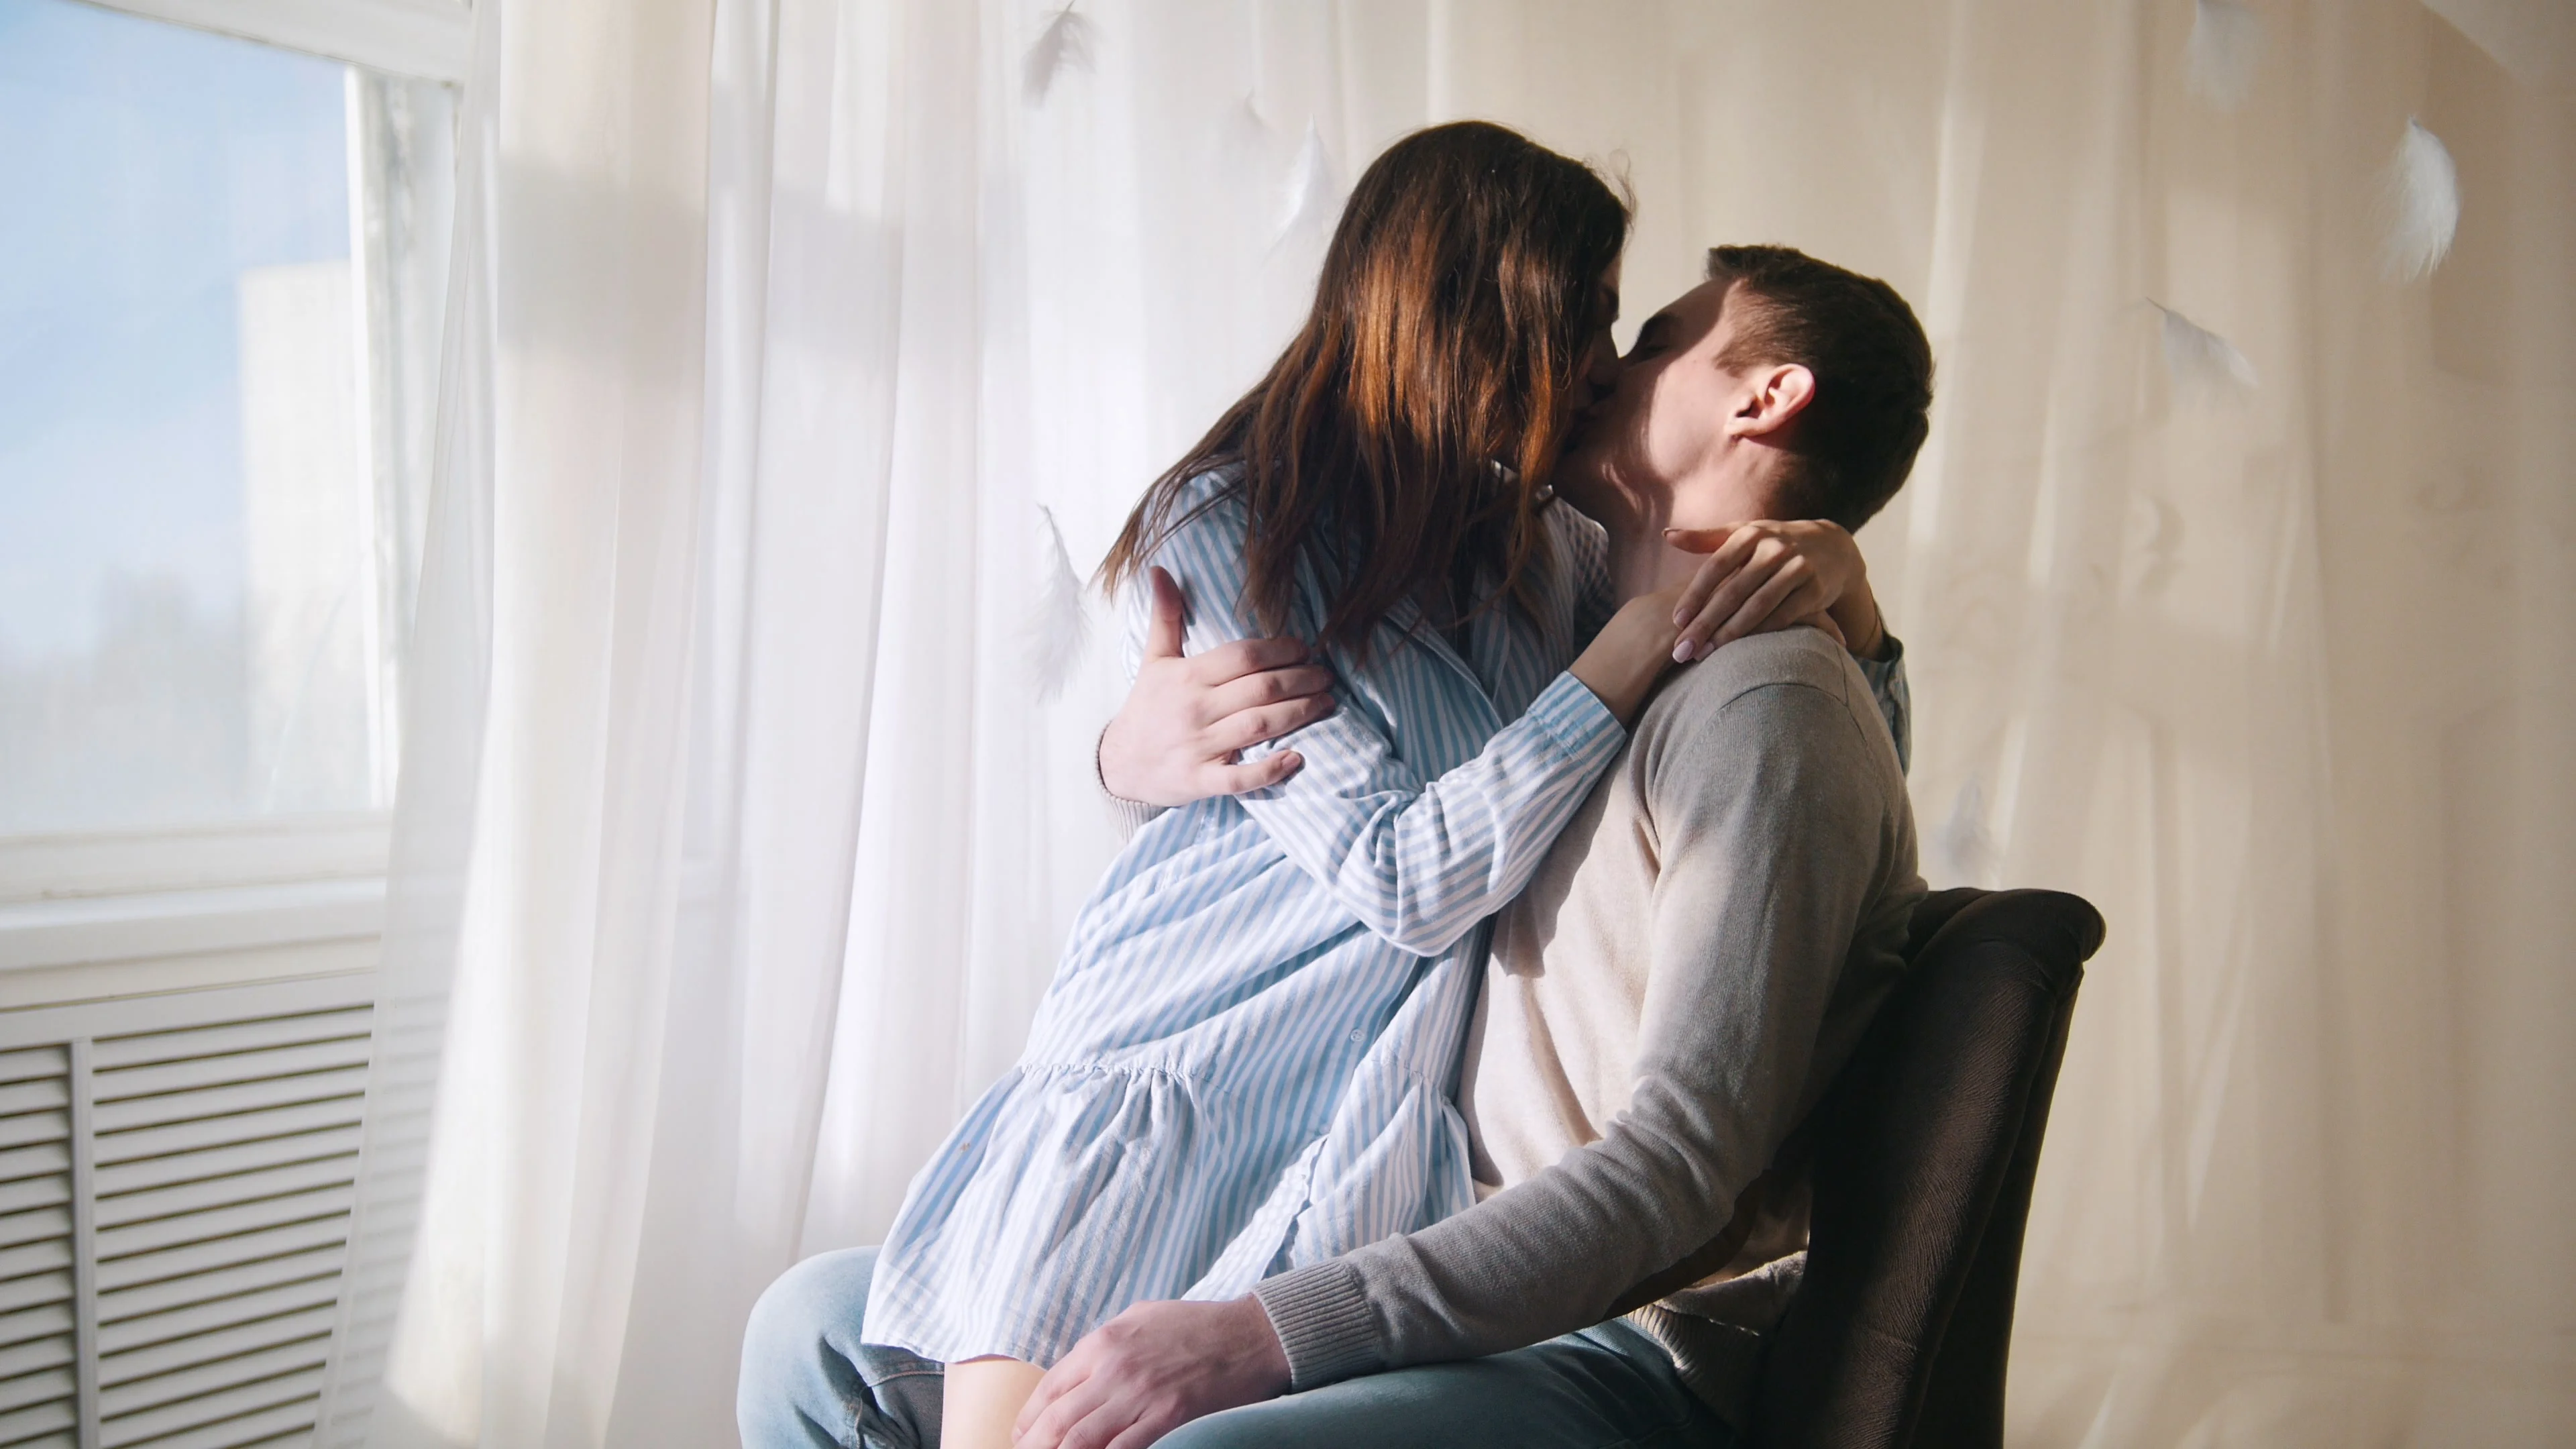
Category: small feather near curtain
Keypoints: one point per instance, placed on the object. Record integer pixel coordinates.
(805, 349)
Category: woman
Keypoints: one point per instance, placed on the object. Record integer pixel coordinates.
(1243, 1063)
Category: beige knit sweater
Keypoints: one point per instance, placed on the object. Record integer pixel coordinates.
(1695, 959)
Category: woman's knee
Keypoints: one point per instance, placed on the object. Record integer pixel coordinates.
(808, 1302)
(795, 1345)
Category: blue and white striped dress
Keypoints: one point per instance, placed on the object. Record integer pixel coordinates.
(1246, 1060)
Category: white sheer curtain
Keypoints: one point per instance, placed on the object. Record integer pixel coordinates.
(737, 835)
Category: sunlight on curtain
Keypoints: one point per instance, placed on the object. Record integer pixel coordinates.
(736, 843)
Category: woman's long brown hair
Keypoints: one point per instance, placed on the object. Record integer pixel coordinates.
(1448, 325)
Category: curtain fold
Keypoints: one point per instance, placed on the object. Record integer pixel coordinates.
(737, 837)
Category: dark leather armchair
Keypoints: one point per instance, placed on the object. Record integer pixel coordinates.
(1924, 1150)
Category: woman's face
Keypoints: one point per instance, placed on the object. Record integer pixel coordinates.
(1596, 371)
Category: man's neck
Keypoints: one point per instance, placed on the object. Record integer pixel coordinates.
(1640, 561)
(1635, 514)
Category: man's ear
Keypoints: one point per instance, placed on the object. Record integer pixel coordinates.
(1774, 396)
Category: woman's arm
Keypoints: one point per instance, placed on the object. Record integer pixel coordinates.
(1420, 861)
(1181, 732)
(1179, 735)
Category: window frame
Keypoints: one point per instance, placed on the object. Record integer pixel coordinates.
(429, 40)
(91, 915)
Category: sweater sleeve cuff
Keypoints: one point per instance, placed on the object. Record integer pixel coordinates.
(1574, 717)
(1128, 816)
(1886, 676)
(1125, 815)
(1323, 1320)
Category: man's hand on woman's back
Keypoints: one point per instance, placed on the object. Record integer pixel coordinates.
(1187, 719)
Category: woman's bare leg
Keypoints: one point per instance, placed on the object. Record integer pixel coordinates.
(984, 1396)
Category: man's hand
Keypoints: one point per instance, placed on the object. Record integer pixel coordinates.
(1152, 1369)
(1764, 576)
(1176, 738)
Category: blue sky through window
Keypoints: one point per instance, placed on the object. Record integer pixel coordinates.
(146, 166)
(162, 184)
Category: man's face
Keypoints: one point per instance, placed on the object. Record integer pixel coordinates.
(1665, 420)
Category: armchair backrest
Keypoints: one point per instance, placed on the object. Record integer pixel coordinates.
(1924, 1152)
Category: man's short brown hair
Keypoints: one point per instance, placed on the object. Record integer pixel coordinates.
(1873, 366)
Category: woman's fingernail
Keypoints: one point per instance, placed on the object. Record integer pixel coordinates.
(1682, 652)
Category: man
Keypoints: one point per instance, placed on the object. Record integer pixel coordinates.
(1691, 965)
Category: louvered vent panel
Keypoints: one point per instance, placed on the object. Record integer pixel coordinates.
(38, 1391)
(226, 1155)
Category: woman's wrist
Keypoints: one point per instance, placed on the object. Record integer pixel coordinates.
(1856, 614)
(1866, 639)
(1620, 684)
(1631, 652)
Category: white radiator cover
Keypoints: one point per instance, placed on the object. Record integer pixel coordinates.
(176, 1175)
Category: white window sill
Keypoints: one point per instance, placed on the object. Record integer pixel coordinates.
(91, 948)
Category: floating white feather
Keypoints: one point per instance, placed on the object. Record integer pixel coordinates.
(2423, 204)
(1057, 635)
(2226, 46)
(2200, 361)
(1244, 139)
(1064, 45)
(1313, 189)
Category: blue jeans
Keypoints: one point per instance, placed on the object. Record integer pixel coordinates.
(809, 1383)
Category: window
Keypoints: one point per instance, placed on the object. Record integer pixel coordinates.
(221, 283)
(222, 274)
